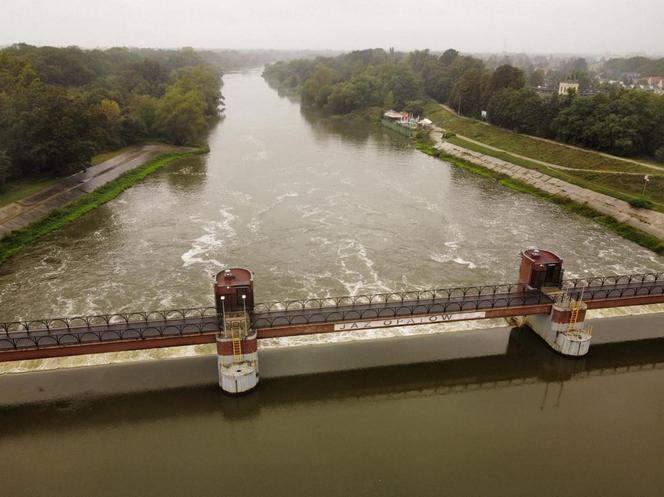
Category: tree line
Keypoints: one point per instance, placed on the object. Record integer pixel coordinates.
(617, 121)
(60, 106)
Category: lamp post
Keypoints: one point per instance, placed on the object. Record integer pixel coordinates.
(244, 306)
(223, 313)
(646, 180)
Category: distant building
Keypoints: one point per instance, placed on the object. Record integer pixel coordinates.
(630, 77)
(565, 87)
(402, 118)
(425, 123)
(393, 115)
(656, 81)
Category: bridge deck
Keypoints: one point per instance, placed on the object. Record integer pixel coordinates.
(133, 331)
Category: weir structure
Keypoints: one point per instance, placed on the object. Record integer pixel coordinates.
(551, 306)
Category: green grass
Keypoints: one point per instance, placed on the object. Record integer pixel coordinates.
(24, 187)
(17, 240)
(528, 146)
(18, 189)
(627, 187)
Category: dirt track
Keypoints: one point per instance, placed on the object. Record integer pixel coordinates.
(29, 209)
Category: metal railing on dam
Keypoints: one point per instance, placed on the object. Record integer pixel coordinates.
(165, 328)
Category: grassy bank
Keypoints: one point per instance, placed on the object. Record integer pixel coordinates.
(588, 169)
(644, 239)
(627, 187)
(17, 189)
(530, 147)
(17, 240)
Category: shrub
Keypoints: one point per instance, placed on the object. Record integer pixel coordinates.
(659, 154)
(641, 203)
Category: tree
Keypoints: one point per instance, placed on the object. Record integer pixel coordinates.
(521, 110)
(317, 86)
(536, 78)
(415, 107)
(659, 154)
(48, 129)
(403, 83)
(205, 81)
(503, 77)
(467, 93)
(181, 116)
(5, 168)
(388, 102)
(141, 122)
(109, 117)
(449, 56)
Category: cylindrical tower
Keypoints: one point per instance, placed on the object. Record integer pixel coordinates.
(237, 344)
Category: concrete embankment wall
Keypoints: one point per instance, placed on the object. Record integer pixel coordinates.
(200, 371)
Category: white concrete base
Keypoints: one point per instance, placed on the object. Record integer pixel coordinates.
(238, 378)
(575, 343)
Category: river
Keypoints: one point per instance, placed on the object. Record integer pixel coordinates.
(314, 207)
(319, 207)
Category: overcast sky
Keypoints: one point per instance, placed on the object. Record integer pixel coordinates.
(533, 26)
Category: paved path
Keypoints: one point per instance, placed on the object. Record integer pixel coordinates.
(29, 209)
(548, 164)
(649, 221)
(560, 144)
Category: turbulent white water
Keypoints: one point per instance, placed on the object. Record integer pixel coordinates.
(314, 207)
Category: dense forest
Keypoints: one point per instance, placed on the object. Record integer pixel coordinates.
(60, 106)
(618, 121)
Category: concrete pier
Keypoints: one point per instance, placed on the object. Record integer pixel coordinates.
(565, 329)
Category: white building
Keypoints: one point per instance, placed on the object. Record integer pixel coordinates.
(565, 87)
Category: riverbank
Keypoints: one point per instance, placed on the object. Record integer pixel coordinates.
(631, 223)
(617, 177)
(70, 204)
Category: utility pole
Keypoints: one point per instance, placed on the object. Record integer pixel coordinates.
(459, 111)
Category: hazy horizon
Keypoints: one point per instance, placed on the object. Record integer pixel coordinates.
(479, 26)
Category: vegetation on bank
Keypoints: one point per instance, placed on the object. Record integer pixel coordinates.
(61, 106)
(644, 239)
(625, 187)
(510, 141)
(617, 121)
(11, 244)
(24, 187)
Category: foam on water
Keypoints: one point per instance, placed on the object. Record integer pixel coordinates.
(217, 234)
(357, 268)
(445, 258)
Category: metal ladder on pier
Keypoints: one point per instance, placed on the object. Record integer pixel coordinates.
(237, 349)
(575, 307)
(235, 325)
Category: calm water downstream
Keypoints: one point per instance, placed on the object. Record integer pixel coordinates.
(318, 207)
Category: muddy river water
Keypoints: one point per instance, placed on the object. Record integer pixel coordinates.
(318, 207)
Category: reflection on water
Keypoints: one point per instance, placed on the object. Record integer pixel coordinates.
(504, 425)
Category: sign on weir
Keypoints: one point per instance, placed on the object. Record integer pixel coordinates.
(408, 321)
